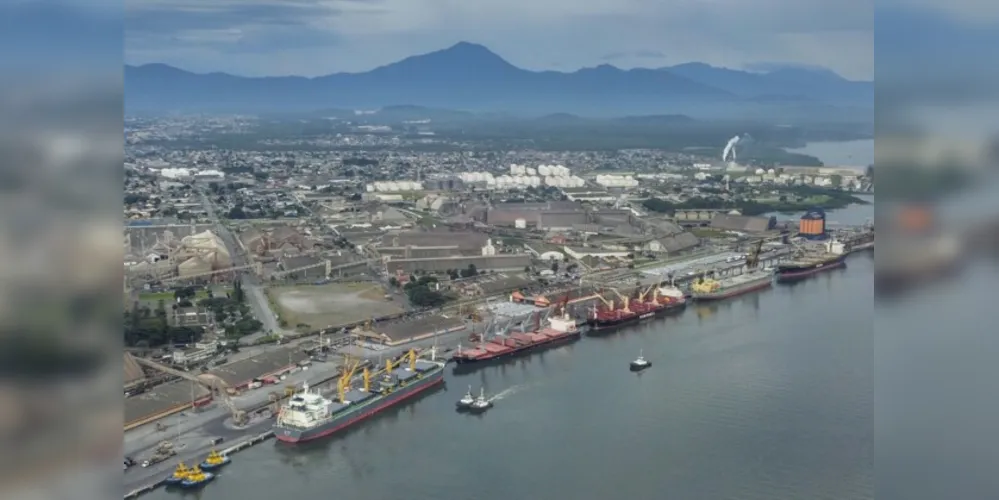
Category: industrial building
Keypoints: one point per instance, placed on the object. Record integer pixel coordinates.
(502, 262)
(396, 333)
(429, 244)
(744, 223)
(263, 241)
(197, 255)
(701, 217)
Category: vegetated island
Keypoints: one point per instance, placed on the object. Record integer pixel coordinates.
(788, 200)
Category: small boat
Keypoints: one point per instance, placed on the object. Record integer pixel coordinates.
(214, 461)
(466, 401)
(196, 478)
(640, 364)
(178, 476)
(481, 404)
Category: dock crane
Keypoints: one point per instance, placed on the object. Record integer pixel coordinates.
(213, 383)
(753, 259)
(624, 299)
(343, 383)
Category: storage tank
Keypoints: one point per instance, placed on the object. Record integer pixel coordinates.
(813, 224)
(531, 171)
(534, 180)
(544, 170)
(520, 224)
(369, 188)
(520, 170)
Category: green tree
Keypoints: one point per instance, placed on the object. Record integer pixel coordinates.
(237, 292)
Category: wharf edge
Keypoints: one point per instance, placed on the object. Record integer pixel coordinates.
(240, 446)
(259, 438)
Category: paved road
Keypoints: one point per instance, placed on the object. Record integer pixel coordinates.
(255, 296)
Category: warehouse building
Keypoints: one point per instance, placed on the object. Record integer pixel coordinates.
(405, 331)
(744, 223)
(501, 262)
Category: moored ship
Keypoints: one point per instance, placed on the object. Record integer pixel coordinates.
(632, 310)
(561, 329)
(309, 415)
(833, 256)
(752, 279)
(709, 289)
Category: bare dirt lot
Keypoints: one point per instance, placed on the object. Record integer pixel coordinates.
(334, 304)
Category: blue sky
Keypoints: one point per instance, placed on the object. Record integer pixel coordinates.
(315, 37)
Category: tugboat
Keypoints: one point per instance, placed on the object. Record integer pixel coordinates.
(481, 404)
(178, 476)
(640, 364)
(214, 461)
(196, 478)
(466, 401)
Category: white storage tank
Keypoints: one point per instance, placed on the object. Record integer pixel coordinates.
(531, 171)
(520, 224)
(535, 180)
(544, 170)
(513, 169)
(369, 188)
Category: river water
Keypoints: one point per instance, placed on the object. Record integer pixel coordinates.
(767, 396)
(859, 153)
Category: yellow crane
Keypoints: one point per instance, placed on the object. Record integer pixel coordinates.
(344, 382)
(608, 303)
(624, 299)
(644, 293)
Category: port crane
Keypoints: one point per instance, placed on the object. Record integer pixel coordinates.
(624, 299)
(213, 383)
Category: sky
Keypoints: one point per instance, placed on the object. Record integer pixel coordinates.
(317, 37)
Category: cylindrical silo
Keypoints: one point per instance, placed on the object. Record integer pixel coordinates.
(813, 224)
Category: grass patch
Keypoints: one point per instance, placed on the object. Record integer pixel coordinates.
(708, 232)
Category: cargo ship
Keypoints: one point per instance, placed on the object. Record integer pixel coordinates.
(632, 310)
(832, 257)
(308, 415)
(561, 329)
(707, 289)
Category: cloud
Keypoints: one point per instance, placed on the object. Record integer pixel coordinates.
(313, 37)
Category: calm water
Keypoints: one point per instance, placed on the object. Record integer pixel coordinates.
(768, 396)
(847, 153)
(852, 215)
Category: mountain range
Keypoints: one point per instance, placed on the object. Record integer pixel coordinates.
(469, 76)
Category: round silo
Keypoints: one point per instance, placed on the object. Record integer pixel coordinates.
(813, 224)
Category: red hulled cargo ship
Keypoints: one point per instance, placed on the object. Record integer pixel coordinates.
(663, 301)
(561, 329)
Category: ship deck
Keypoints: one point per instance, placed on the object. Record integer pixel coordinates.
(811, 260)
(742, 279)
(356, 395)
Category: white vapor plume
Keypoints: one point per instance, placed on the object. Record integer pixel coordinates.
(730, 148)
